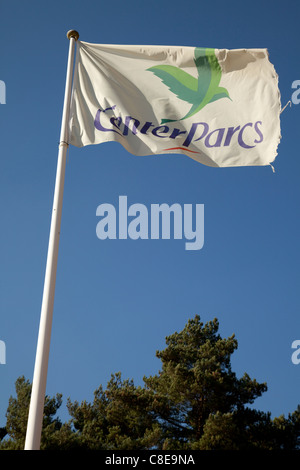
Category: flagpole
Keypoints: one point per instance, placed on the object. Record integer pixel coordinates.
(36, 409)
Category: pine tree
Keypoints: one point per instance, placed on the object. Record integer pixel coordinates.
(195, 402)
(196, 381)
(17, 414)
(118, 418)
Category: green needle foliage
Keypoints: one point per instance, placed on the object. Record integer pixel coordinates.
(195, 402)
(196, 381)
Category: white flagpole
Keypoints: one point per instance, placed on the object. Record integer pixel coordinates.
(36, 409)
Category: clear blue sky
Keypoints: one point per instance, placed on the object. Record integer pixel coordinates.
(117, 300)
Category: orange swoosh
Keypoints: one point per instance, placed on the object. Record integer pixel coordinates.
(182, 148)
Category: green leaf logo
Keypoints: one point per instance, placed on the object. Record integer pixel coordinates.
(198, 91)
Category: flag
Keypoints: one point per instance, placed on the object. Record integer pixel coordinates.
(220, 107)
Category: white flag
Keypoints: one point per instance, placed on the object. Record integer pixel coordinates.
(220, 107)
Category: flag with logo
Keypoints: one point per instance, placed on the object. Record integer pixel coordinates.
(220, 107)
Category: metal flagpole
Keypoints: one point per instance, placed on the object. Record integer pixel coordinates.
(36, 409)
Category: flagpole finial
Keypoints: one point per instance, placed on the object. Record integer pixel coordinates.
(72, 34)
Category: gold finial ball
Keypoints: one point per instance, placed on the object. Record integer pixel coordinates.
(72, 34)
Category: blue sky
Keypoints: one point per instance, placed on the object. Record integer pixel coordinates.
(117, 300)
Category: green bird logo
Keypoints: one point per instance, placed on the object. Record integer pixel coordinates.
(197, 91)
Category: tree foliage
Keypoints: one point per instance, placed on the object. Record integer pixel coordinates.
(17, 413)
(195, 402)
